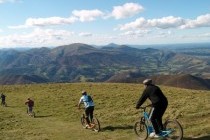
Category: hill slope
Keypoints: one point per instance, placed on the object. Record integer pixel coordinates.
(179, 80)
(81, 62)
(21, 79)
(59, 119)
(182, 81)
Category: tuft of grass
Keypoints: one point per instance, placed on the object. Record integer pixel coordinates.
(57, 117)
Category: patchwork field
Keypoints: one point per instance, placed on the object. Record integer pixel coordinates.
(57, 117)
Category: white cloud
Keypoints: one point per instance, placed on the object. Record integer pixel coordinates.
(50, 21)
(18, 27)
(162, 34)
(200, 21)
(167, 22)
(127, 10)
(11, 1)
(83, 15)
(85, 34)
(140, 28)
(30, 22)
(135, 33)
(205, 35)
(2, 1)
(202, 37)
(138, 23)
(38, 37)
(87, 15)
(163, 23)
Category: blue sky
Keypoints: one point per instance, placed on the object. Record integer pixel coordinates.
(38, 23)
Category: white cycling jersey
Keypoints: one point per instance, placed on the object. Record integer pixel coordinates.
(87, 100)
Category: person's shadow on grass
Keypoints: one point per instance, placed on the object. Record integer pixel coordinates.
(199, 138)
(113, 128)
(43, 116)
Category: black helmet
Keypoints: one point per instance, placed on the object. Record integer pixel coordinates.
(147, 81)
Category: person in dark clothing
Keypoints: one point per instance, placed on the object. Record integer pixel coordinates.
(30, 104)
(159, 104)
(3, 98)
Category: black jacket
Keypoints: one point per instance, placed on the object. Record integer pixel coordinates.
(155, 95)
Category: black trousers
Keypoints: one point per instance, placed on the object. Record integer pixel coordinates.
(3, 101)
(89, 114)
(156, 117)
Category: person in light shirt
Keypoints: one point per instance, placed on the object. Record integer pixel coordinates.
(89, 107)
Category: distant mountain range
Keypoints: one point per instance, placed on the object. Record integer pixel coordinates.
(81, 62)
(21, 79)
(179, 80)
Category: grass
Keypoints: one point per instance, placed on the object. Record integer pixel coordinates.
(57, 117)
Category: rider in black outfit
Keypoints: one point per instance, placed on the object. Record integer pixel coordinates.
(3, 98)
(159, 103)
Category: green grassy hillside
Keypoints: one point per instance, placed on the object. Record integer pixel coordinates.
(59, 119)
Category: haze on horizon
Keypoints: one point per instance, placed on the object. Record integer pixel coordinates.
(59, 22)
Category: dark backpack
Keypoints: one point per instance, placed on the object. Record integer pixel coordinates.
(90, 99)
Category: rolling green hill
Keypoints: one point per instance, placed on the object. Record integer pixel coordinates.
(186, 81)
(84, 63)
(59, 119)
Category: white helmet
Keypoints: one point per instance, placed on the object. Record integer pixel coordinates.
(147, 81)
(84, 92)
